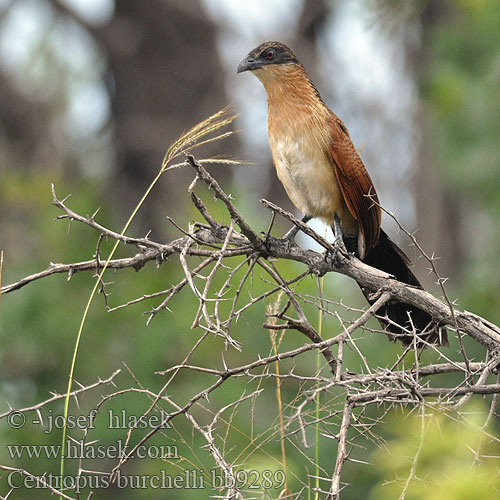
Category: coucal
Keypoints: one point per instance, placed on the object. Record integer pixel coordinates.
(325, 178)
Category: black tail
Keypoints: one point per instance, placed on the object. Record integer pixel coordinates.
(403, 318)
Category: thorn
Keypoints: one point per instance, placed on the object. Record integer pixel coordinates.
(80, 385)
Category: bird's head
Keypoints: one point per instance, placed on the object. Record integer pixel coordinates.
(266, 58)
(281, 73)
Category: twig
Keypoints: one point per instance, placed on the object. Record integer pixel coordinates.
(57, 397)
(334, 493)
(38, 480)
(224, 292)
(90, 221)
(219, 193)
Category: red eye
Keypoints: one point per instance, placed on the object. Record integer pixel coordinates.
(269, 54)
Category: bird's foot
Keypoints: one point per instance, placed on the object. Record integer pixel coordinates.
(289, 238)
(288, 242)
(290, 235)
(339, 249)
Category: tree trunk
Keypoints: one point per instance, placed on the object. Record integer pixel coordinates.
(165, 77)
(440, 213)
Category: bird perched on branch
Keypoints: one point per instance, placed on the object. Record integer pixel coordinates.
(325, 178)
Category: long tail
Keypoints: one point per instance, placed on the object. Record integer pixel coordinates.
(402, 318)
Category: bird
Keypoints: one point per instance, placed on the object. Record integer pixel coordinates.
(325, 177)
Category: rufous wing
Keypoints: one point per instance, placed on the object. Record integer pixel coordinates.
(355, 184)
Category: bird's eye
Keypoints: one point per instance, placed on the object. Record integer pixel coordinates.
(269, 54)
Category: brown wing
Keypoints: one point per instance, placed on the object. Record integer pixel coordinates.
(355, 183)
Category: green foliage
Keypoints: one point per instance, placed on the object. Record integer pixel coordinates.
(462, 88)
(432, 457)
(38, 323)
(45, 316)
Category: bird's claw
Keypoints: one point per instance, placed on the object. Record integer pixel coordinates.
(288, 242)
(289, 238)
(339, 248)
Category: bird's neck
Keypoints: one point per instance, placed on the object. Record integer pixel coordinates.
(294, 104)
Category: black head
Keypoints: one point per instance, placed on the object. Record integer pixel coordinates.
(265, 54)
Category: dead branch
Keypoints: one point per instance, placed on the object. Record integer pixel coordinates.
(57, 397)
(248, 243)
(219, 287)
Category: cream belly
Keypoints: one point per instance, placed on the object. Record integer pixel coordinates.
(310, 181)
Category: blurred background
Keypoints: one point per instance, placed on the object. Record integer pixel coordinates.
(92, 93)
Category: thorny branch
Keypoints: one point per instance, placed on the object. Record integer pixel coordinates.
(222, 302)
(58, 397)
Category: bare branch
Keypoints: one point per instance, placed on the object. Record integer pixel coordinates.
(57, 397)
(223, 291)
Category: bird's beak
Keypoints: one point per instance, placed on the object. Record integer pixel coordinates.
(248, 64)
